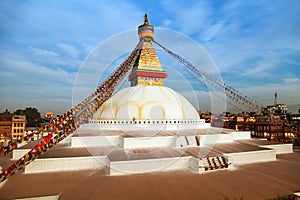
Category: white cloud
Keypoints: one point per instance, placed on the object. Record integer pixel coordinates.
(240, 35)
(29, 84)
(43, 52)
(52, 59)
(264, 94)
(288, 92)
(293, 81)
(212, 30)
(69, 50)
(187, 18)
(260, 69)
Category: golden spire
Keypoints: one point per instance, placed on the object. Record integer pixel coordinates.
(147, 70)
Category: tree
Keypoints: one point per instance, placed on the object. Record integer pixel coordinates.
(19, 112)
(33, 116)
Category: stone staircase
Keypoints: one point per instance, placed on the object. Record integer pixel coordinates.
(213, 163)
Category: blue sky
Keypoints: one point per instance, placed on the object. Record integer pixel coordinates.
(255, 44)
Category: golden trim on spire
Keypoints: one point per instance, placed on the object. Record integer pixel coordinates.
(146, 31)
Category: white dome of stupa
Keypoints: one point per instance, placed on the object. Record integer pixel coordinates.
(147, 103)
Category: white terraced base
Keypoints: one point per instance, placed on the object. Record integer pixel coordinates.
(118, 159)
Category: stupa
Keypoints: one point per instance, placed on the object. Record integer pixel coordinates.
(147, 104)
(151, 128)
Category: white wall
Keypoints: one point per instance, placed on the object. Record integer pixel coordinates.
(153, 165)
(66, 164)
(250, 156)
(241, 135)
(280, 148)
(153, 125)
(93, 141)
(18, 153)
(149, 142)
(215, 138)
(52, 197)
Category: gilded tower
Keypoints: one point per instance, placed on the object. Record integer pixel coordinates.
(147, 69)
